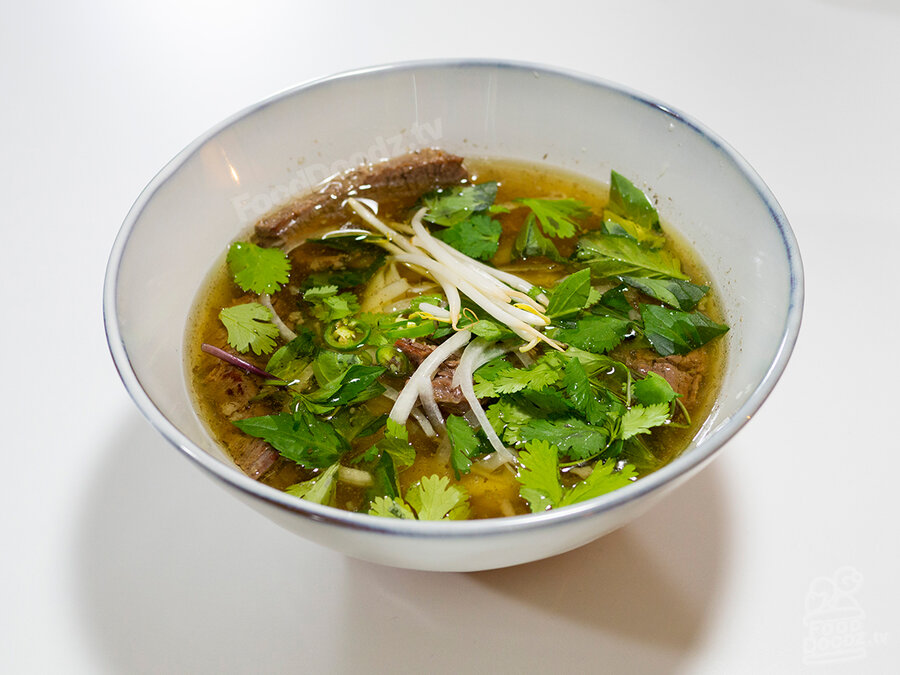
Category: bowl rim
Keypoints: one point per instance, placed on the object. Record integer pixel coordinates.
(678, 469)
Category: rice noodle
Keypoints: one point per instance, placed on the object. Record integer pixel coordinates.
(411, 391)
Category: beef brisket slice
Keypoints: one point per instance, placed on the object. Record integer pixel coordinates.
(405, 177)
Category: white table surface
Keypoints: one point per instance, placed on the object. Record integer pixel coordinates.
(120, 557)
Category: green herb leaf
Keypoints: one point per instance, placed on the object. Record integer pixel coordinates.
(531, 242)
(357, 422)
(598, 334)
(356, 385)
(676, 293)
(509, 379)
(451, 206)
(433, 498)
(249, 327)
(319, 489)
(346, 278)
(639, 419)
(477, 237)
(671, 331)
(653, 389)
(302, 438)
(629, 202)
(618, 226)
(573, 436)
(257, 269)
(464, 444)
(329, 305)
(603, 479)
(288, 361)
(391, 507)
(570, 295)
(488, 329)
(539, 476)
(558, 216)
(578, 389)
(396, 444)
(611, 256)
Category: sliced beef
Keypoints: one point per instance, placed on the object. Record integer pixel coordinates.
(255, 457)
(225, 381)
(684, 373)
(402, 178)
(450, 398)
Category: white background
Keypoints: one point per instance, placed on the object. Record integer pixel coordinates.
(120, 557)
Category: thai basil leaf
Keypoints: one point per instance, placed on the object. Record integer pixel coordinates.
(676, 293)
(672, 331)
(629, 202)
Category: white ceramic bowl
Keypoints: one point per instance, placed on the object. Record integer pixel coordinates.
(219, 184)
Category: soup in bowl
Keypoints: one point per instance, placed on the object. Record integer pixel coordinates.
(558, 267)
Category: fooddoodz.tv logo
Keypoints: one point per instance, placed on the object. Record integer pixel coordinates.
(834, 620)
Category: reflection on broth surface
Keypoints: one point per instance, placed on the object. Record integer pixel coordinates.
(427, 338)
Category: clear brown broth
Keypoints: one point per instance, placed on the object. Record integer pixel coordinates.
(491, 494)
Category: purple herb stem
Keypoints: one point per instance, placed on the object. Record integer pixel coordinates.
(236, 361)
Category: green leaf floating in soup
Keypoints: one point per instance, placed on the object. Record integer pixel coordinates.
(439, 340)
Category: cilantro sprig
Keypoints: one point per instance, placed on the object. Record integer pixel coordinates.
(256, 269)
(541, 482)
(250, 327)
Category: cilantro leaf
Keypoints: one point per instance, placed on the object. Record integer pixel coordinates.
(639, 419)
(257, 269)
(676, 293)
(249, 327)
(510, 379)
(302, 438)
(540, 479)
(329, 305)
(531, 242)
(671, 331)
(611, 256)
(507, 416)
(319, 489)
(451, 206)
(433, 498)
(396, 444)
(570, 295)
(603, 479)
(390, 507)
(477, 236)
(539, 476)
(628, 201)
(573, 436)
(596, 334)
(558, 216)
(653, 389)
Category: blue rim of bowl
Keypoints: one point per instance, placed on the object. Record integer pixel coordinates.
(677, 470)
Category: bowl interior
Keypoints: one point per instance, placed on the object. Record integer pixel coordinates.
(219, 185)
